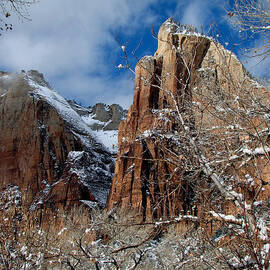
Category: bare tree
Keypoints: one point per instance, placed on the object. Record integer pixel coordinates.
(217, 154)
(252, 21)
(218, 149)
(15, 7)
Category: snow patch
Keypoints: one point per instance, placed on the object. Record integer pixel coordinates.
(108, 138)
(90, 204)
(224, 217)
(257, 151)
(89, 120)
(63, 108)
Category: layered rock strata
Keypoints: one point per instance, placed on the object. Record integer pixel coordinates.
(46, 150)
(182, 117)
(107, 117)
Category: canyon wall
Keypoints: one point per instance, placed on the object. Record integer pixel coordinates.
(191, 117)
(47, 152)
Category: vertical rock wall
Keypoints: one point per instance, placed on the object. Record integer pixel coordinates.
(157, 173)
(144, 179)
(46, 150)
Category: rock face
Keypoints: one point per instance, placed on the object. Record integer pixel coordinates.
(109, 117)
(46, 149)
(104, 121)
(158, 168)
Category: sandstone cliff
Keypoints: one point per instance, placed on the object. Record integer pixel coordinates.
(191, 130)
(47, 151)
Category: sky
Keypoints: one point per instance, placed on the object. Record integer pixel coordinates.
(75, 44)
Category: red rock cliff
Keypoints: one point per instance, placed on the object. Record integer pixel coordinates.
(174, 104)
(46, 150)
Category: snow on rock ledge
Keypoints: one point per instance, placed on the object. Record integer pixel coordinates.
(46, 148)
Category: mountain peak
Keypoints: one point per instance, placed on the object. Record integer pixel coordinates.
(172, 26)
(37, 77)
(41, 136)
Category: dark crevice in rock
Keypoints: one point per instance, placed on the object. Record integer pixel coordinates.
(131, 186)
(175, 41)
(165, 89)
(155, 86)
(182, 42)
(205, 50)
(64, 149)
(146, 180)
(157, 193)
(166, 191)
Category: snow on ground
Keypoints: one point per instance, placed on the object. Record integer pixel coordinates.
(225, 217)
(10, 196)
(257, 151)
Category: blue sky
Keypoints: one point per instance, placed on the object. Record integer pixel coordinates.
(73, 42)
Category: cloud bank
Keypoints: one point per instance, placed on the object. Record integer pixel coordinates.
(72, 43)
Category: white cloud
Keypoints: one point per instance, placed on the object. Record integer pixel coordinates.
(257, 66)
(198, 12)
(71, 42)
(101, 88)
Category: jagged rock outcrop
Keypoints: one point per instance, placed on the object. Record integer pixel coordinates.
(184, 107)
(104, 117)
(104, 121)
(108, 116)
(47, 151)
